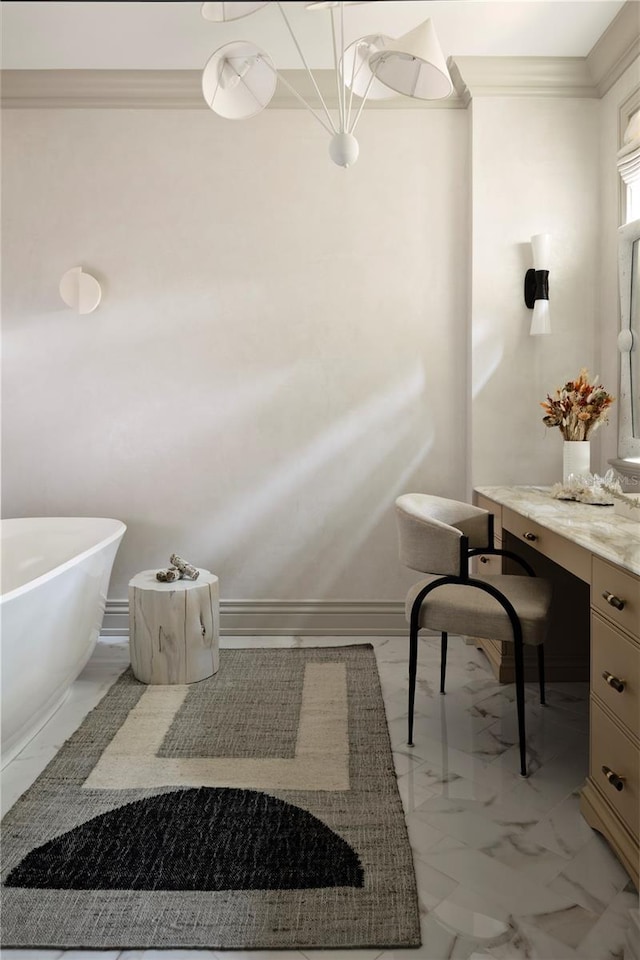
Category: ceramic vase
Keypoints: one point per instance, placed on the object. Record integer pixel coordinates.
(576, 459)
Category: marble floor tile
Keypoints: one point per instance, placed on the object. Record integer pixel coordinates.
(449, 724)
(395, 705)
(593, 878)
(9, 954)
(545, 739)
(475, 917)
(515, 816)
(442, 781)
(412, 794)
(562, 830)
(433, 886)
(533, 860)
(505, 867)
(349, 954)
(514, 891)
(438, 943)
(422, 836)
(104, 955)
(252, 955)
(569, 925)
(559, 707)
(556, 779)
(532, 943)
(606, 940)
(453, 820)
(404, 762)
(444, 763)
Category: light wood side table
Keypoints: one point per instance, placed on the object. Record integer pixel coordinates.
(174, 628)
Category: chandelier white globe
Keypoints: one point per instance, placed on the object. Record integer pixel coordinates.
(344, 149)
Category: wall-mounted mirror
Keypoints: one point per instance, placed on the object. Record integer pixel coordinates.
(628, 461)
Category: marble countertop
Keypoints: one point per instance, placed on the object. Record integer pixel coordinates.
(596, 528)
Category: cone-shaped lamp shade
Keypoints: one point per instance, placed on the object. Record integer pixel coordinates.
(541, 319)
(357, 72)
(238, 80)
(221, 12)
(414, 65)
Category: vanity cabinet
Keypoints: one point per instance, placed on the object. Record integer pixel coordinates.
(610, 801)
(568, 566)
(593, 558)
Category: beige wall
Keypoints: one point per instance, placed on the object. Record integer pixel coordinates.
(278, 351)
(284, 346)
(535, 169)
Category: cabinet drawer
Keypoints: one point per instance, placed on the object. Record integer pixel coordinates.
(612, 653)
(487, 563)
(569, 555)
(618, 585)
(611, 748)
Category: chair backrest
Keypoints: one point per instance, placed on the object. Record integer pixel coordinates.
(430, 529)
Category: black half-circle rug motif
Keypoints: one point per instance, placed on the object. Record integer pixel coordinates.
(196, 839)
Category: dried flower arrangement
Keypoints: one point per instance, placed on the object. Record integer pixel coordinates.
(578, 408)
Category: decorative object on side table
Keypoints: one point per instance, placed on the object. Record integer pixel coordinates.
(180, 569)
(578, 408)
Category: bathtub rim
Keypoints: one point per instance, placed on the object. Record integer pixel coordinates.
(77, 558)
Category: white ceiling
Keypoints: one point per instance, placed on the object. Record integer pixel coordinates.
(174, 36)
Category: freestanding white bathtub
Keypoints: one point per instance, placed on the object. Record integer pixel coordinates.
(55, 576)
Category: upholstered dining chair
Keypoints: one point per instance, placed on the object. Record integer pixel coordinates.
(437, 537)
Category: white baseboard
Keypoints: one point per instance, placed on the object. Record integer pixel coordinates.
(247, 618)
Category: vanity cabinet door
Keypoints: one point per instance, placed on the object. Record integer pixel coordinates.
(616, 595)
(615, 672)
(610, 801)
(614, 767)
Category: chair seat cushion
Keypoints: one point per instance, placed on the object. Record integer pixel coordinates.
(470, 611)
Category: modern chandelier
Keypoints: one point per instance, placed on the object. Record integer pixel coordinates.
(240, 79)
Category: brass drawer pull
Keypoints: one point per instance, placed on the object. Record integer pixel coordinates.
(613, 778)
(612, 600)
(529, 536)
(613, 681)
(484, 559)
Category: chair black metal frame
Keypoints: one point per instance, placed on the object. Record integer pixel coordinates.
(466, 580)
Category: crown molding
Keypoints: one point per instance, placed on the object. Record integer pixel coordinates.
(167, 89)
(521, 77)
(583, 77)
(616, 49)
(173, 89)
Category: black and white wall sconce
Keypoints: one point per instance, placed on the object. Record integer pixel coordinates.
(536, 285)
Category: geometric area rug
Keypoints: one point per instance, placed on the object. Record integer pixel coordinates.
(257, 809)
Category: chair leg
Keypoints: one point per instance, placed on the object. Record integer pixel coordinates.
(413, 669)
(519, 664)
(443, 661)
(541, 672)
